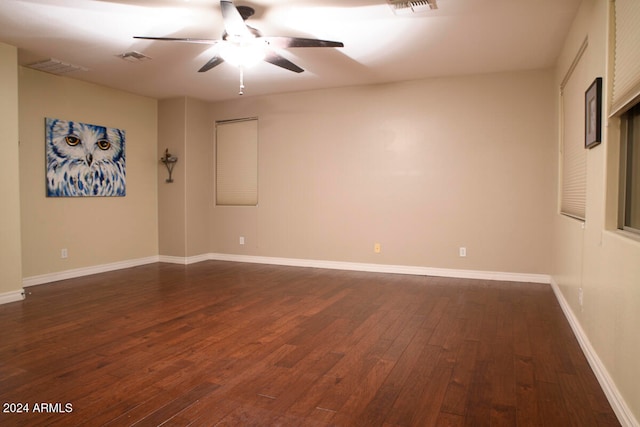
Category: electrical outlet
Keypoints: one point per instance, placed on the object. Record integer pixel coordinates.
(64, 253)
(462, 252)
(377, 248)
(242, 240)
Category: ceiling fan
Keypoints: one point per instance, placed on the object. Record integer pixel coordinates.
(243, 46)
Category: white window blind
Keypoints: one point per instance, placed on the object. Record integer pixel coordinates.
(573, 154)
(237, 162)
(626, 75)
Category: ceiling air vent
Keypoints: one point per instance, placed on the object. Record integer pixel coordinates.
(400, 7)
(134, 56)
(55, 66)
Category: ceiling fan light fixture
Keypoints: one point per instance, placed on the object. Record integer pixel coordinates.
(244, 46)
(242, 55)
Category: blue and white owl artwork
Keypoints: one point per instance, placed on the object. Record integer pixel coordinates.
(84, 160)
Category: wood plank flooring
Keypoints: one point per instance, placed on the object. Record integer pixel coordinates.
(231, 344)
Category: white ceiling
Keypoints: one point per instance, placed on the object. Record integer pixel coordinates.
(460, 37)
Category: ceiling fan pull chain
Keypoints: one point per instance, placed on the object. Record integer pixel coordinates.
(241, 81)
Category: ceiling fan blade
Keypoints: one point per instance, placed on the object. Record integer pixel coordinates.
(179, 39)
(233, 23)
(275, 59)
(215, 61)
(287, 42)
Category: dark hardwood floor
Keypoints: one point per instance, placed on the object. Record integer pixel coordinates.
(221, 343)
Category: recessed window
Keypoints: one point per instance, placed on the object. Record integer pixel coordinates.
(573, 160)
(237, 162)
(630, 171)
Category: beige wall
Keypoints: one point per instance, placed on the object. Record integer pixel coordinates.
(598, 259)
(171, 195)
(421, 167)
(199, 176)
(10, 253)
(95, 230)
(185, 128)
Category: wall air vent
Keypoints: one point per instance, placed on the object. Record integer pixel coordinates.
(55, 66)
(401, 7)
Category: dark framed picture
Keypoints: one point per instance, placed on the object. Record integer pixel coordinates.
(593, 114)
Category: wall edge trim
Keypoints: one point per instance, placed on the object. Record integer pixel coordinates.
(386, 268)
(86, 271)
(293, 262)
(11, 296)
(617, 402)
(183, 260)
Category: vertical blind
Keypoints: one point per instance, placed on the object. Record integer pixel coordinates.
(573, 154)
(237, 162)
(626, 74)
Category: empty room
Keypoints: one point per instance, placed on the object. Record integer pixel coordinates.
(320, 213)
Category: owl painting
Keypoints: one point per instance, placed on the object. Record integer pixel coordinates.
(84, 160)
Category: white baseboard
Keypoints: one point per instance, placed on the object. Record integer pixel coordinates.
(617, 402)
(12, 296)
(86, 271)
(293, 262)
(184, 260)
(386, 268)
